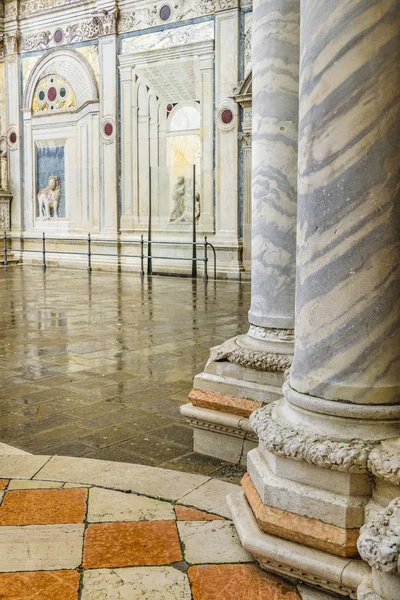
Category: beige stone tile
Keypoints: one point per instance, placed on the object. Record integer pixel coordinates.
(29, 484)
(109, 505)
(211, 542)
(124, 476)
(67, 486)
(6, 450)
(40, 547)
(21, 467)
(211, 497)
(146, 583)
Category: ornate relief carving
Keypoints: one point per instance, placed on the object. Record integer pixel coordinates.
(105, 23)
(249, 358)
(379, 541)
(269, 334)
(11, 10)
(49, 198)
(145, 17)
(246, 139)
(5, 212)
(384, 462)
(298, 444)
(34, 6)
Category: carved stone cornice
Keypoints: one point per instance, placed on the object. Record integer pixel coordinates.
(303, 445)
(379, 541)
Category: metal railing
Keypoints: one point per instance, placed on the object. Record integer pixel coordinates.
(148, 256)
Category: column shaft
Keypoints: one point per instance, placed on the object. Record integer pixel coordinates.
(348, 269)
(274, 157)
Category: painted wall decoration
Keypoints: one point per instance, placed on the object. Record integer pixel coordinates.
(50, 172)
(53, 93)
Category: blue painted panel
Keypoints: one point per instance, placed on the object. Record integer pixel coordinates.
(51, 161)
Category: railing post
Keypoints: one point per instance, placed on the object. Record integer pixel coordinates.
(89, 240)
(44, 251)
(141, 256)
(194, 240)
(5, 248)
(205, 258)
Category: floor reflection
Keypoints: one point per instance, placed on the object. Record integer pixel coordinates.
(97, 365)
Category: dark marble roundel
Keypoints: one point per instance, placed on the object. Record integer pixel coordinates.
(42, 95)
(165, 12)
(108, 129)
(227, 116)
(13, 137)
(52, 94)
(170, 107)
(58, 36)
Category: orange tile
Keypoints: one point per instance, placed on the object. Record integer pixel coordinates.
(3, 483)
(184, 513)
(43, 507)
(131, 544)
(236, 582)
(49, 585)
(227, 404)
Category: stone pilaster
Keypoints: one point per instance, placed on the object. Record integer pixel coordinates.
(252, 366)
(310, 480)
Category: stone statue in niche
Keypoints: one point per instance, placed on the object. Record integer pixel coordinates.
(49, 198)
(182, 211)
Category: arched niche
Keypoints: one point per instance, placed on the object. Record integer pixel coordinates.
(61, 140)
(70, 66)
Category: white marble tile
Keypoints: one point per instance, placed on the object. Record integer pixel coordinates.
(150, 481)
(146, 583)
(211, 497)
(211, 542)
(20, 467)
(40, 547)
(109, 505)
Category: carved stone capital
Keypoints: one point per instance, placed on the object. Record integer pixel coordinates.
(379, 541)
(304, 445)
(250, 358)
(246, 138)
(107, 22)
(11, 43)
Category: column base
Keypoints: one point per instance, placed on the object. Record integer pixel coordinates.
(311, 566)
(296, 528)
(219, 434)
(241, 375)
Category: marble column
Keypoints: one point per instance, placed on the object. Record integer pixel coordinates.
(309, 482)
(248, 370)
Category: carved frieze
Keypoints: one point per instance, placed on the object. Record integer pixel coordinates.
(104, 23)
(149, 16)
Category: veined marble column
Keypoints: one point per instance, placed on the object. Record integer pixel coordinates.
(248, 371)
(310, 480)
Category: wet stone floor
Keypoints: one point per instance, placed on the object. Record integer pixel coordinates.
(98, 365)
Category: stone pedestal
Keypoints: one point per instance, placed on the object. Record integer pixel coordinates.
(252, 366)
(309, 481)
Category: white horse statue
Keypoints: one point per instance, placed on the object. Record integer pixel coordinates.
(49, 197)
